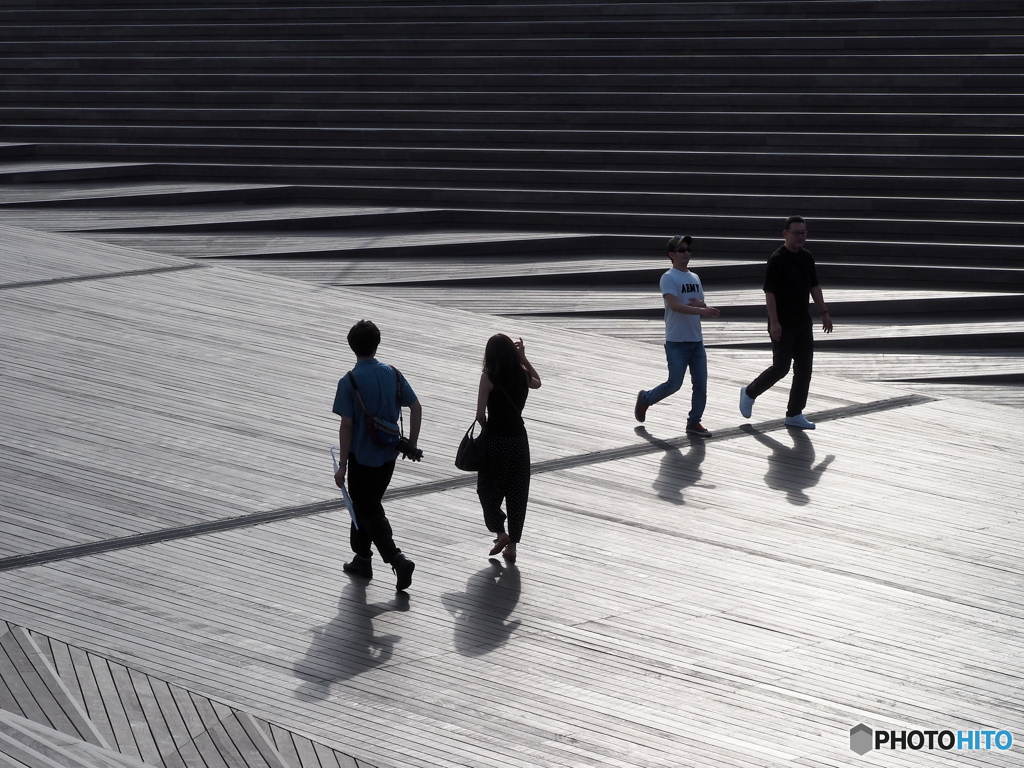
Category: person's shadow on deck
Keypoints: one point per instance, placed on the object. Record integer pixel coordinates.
(678, 470)
(347, 645)
(481, 612)
(791, 469)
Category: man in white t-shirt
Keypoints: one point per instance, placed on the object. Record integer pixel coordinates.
(684, 344)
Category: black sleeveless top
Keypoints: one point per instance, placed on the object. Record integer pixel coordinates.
(505, 412)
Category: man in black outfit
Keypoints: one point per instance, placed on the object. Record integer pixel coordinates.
(383, 390)
(789, 279)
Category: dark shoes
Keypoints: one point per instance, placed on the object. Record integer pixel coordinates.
(403, 568)
(697, 429)
(360, 566)
(401, 565)
(640, 409)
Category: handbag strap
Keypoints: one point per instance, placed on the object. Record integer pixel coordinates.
(506, 394)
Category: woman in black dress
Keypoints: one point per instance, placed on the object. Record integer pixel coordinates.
(504, 383)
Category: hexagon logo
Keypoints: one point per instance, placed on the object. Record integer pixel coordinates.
(860, 739)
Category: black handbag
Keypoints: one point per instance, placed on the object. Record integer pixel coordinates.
(472, 453)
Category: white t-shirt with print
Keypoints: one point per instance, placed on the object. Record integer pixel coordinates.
(685, 286)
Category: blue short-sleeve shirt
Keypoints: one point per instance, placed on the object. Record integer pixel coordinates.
(378, 385)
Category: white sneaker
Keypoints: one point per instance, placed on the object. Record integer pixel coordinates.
(746, 403)
(799, 421)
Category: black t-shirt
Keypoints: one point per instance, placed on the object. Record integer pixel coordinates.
(505, 411)
(790, 276)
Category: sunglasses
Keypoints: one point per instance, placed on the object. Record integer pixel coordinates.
(682, 247)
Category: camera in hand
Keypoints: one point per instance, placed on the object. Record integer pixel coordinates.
(407, 451)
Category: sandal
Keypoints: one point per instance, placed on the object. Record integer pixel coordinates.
(499, 544)
(509, 554)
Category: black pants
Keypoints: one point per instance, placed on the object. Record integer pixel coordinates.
(366, 486)
(796, 347)
(505, 476)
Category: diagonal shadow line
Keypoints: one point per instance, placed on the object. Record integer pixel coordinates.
(421, 489)
(101, 276)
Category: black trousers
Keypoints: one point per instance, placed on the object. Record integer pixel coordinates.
(366, 486)
(796, 348)
(506, 475)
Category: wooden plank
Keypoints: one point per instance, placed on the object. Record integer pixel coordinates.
(251, 754)
(187, 710)
(9, 762)
(260, 739)
(60, 656)
(121, 726)
(219, 740)
(61, 695)
(92, 699)
(62, 749)
(134, 713)
(154, 717)
(8, 701)
(213, 754)
(191, 755)
(172, 718)
(42, 645)
(325, 755)
(285, 746)
(30, 756)
(306, 751)
(43, 708)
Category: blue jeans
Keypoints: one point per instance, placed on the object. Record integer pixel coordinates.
(680, 355)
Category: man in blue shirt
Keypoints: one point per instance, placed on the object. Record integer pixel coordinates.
(370, 465)
(684, 343)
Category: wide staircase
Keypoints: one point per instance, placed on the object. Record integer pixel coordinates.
(453, 153)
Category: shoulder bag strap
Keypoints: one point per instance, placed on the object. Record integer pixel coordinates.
(506, 394)
(359, 396)
(398, 391)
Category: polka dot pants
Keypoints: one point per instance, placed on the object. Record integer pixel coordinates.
(506, 476)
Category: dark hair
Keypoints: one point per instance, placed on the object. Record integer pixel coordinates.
(501, 362)
(364, 338)
(794, 220)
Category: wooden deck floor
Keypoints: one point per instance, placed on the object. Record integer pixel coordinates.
(742, 601)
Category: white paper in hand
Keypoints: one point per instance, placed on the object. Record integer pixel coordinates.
(344, 493)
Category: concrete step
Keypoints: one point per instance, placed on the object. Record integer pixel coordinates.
(514, 19)
(18, 151)
(120, 74)
(726, 276)
(748, 235)
(328, 39)
(514, 117)
(601, 178)
(937, 342)
(33, 171)
(689, 159)
(680, 204)
(502, 65)
(936, 309)
(733, 188)
(303, 99)
(666, 139)
(930, 212)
